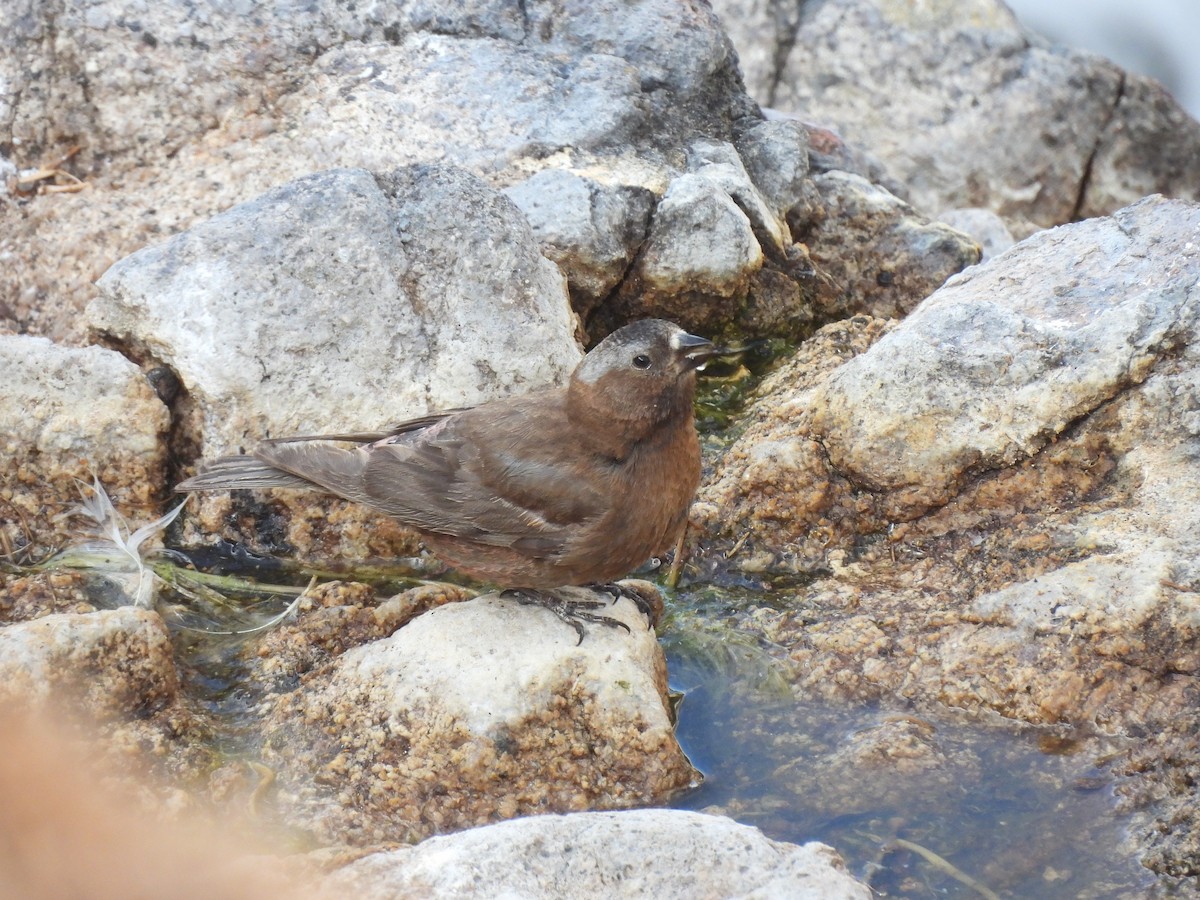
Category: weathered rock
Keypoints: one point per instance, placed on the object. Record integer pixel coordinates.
(992, 371)
(475, 712)
(114, 669)
(719, 254)
(872, 252)
(66, 415)
(381, 307)
(967, 109)
(584, 855)
(987, 228)
(776, 156)
(590, 229)
(331, 619)
(699, 259)
(341, 301)
(55, 656)
(1021, 540)
(486, 86)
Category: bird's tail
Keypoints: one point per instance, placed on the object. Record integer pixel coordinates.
(238, 472)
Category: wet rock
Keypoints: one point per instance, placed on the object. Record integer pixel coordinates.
(475, 712)
(340, 302)
(872, 252)
(31, 596)
(774, 484)
(68, 414)
(53, 655)
(1036, 559)
(585, 854)
(330, 620)
(114, 668)
(967, 109)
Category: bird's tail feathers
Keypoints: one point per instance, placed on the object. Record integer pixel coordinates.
(241, 472)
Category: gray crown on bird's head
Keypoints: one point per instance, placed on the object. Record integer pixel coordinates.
(655, 346)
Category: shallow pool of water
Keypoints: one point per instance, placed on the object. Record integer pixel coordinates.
(919, 805)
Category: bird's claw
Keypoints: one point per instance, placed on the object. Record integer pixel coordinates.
(573, 612)
(618, 591)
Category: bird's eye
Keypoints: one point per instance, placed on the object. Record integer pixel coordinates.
(641, 361)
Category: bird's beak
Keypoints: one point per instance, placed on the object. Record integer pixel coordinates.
(693, 349)
(697, 350)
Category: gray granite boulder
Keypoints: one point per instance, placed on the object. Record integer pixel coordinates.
(604, 853)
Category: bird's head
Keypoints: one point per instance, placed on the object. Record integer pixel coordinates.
(638, 377)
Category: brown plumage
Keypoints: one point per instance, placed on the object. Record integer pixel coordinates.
(562, 486)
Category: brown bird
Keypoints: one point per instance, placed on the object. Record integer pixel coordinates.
(562, 486)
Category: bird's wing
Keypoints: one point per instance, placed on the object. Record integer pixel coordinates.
(503, 480)
(370, 437)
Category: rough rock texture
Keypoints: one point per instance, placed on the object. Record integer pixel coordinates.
(53, 655)
(434, 296)
(983, 375)
(586, 855)
(967, 109)
(330, 620)
(475, 712)
(590, 229)
(343, 301)
(114, 668)
(497, 88)
(1022, 538)
(627, 96)
(872, 252)
(66, 415)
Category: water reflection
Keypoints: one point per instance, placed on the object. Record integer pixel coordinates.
(894, 791)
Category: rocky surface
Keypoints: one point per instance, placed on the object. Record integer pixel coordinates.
(475, 712)
(1016, 551)
(965, 108)
(586, 93)
(115, 670)
(68, 415)
(990, 506)
(271, 334)
(871, 251)
(587, 854)
(488, 88)
(436, 297)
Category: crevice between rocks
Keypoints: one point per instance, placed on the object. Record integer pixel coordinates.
(1085, 179)
(182, 438)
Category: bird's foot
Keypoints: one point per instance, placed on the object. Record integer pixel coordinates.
(573, 612)
(640, 600)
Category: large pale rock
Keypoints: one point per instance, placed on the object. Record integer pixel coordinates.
(968, 109)
(345, 300)
(1000, 501)
(340, 301)
(474, 712)
(68, 414)
(586, 855)
(984, 373)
